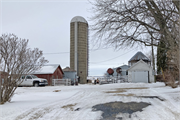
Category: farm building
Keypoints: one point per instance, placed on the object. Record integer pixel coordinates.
(79, 47)
(70, 73)
(138, 56)
(124, 69)
(123, 74)
(140, 72)
(50, 72)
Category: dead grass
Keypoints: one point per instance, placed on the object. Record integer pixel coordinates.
(70, 106)
(56, 90)
(119, 90)
(124, 95)
(135, 88)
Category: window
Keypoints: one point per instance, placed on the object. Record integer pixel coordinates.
(23, 77)
(33, 76)
(28, 77)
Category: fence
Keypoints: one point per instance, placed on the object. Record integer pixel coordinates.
(107, 80)
(57, 82)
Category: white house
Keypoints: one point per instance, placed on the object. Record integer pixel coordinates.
(140, 72)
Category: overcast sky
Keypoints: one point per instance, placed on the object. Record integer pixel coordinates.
(46, 23)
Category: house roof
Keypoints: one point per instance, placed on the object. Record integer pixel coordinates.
(139, 56)
(48, 69)
(67, 69)
(140, 61)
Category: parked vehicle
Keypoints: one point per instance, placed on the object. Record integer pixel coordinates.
(32, 80)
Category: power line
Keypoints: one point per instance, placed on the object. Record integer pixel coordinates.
(111, 58)
(109, 64)
(91, 50)
(56, 53)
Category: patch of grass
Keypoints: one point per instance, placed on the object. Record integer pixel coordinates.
(70, 106)
(56, 90)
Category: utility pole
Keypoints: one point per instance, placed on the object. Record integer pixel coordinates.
(153, 61)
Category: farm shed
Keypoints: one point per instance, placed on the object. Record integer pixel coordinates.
(138, 56)
(140, 72)
(124, 69)
(69, 73)
(50, 72)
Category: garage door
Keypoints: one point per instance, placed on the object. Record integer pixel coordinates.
(140, 76)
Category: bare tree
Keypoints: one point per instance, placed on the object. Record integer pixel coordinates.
(16, 59)
(133, 23)
(126, 23)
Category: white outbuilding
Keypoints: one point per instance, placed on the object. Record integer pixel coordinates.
(140, 72)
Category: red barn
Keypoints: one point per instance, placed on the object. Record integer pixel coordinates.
(50, 72)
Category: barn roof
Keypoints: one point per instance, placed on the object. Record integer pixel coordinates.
(139, 56)
(67, 69)
(48, 69)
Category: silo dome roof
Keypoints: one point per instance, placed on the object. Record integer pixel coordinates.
(78, 19)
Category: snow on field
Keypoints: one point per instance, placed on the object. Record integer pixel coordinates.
(76, 102)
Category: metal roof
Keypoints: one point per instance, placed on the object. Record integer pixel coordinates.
(67, 69)
(123, 66)
(78, 19)
(139, 56)
(47, 69)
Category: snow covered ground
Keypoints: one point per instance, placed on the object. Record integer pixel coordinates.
(76, 102)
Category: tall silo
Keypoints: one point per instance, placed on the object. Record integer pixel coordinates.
(79, 47)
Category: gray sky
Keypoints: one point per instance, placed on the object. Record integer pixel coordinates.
(46, 23)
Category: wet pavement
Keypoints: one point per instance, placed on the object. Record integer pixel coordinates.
(111, 109)
(162, 99)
